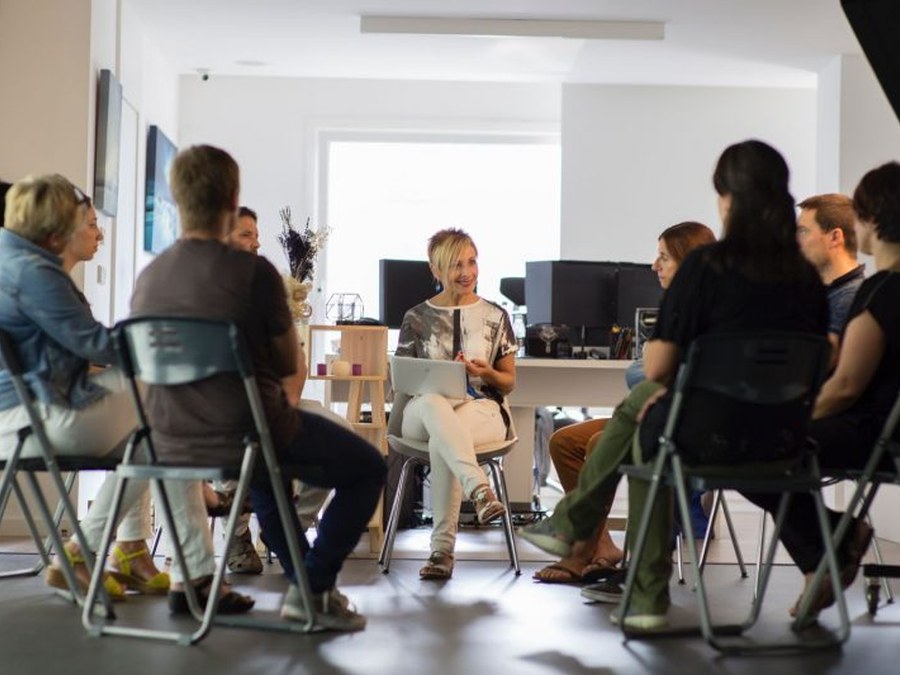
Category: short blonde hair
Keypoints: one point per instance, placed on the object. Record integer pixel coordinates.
(445, 247)
(38, 207)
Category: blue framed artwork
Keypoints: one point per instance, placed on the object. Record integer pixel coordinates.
(160, 212)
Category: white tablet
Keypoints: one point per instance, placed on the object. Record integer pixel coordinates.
(428, 376)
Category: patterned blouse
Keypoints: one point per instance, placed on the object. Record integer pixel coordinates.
(485, 333)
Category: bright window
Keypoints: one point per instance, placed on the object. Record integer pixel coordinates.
(386, 198)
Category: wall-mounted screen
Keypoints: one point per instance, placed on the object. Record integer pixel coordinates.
(160, 212)
(106, 150)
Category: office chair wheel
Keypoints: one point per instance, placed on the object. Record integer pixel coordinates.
(873, 591)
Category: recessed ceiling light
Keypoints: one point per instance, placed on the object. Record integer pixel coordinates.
(253, 63)
(584, 30)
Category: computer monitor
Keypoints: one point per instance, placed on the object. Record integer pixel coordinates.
(637, 286)
(513, 289)
(575, 293)
(402, 284)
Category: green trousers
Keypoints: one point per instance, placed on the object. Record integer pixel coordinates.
(651, 582)
(585, 509)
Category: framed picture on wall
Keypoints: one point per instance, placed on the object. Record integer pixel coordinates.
(160, 212)
(106, 156)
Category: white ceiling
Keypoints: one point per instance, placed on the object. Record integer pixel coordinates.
(708, 42)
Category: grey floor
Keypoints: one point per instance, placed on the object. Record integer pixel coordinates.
(483, 620)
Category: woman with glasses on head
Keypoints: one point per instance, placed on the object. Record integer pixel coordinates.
(85, 240)
(57, 339)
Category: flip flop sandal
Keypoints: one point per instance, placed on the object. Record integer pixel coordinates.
(569, 576)
(597, 569)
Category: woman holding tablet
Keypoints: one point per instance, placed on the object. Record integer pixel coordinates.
(457, 324)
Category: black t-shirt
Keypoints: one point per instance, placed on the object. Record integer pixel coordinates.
(705, 299)
(880, 296)
(207, 279)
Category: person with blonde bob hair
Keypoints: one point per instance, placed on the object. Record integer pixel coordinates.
(57, 339)
(457, 324)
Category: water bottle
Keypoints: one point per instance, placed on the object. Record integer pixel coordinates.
(519, 331)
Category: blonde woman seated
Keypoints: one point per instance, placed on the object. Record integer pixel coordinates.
(50, 227)
(457, 324)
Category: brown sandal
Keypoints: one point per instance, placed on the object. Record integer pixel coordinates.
(564, 575)
(439, 566)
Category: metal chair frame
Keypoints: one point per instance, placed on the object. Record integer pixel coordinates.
(774, 369)
(416, 452)
(171, 351)
(54, 466)
(868, 481)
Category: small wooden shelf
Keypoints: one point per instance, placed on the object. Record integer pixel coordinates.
(367, 346)
(348, 378)
(367, 425)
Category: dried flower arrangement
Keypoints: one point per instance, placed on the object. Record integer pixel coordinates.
(301, 249)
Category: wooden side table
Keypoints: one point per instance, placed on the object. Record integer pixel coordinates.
(365, 349)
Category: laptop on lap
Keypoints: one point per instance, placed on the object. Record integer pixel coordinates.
(414, 376)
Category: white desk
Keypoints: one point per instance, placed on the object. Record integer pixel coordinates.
(555, 382)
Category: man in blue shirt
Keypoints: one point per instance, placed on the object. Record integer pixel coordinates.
(827, 238)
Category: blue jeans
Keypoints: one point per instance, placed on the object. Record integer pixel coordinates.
(326, 455)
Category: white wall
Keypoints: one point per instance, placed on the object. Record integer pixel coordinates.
(50, 55)
(44, 77)
(636, 159)
(860, 133)
(272, 127)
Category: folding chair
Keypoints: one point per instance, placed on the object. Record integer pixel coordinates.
(54, 466)
(868, 481)
(416, 452)
(719, 505)
(765, 382)
(170, 351)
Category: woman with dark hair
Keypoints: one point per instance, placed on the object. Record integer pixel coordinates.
(753, 279)
(571, 445)
(856, 399)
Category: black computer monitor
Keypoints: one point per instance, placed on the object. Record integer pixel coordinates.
(637, 286)
(575, 293)
(402, 284)
(513, 289)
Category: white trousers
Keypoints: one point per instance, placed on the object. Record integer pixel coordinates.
(102, 429)
(452, 430)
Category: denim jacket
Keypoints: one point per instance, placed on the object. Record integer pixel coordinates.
(53, 329)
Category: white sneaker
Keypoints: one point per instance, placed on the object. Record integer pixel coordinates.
(640, 621)
(333, 610)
